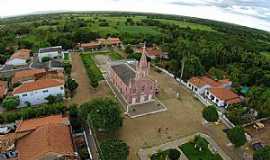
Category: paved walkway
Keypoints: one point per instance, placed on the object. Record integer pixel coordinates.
(144, 154)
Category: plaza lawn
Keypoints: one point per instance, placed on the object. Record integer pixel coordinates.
(193, 154)
(93, 71)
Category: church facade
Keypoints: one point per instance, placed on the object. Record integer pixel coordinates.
(132, 81)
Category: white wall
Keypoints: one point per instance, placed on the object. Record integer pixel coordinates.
(16, 62)
(217, 101)
(38, 96)
(52, 55)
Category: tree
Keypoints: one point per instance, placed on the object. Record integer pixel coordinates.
(216, 73)
(103, 113)
(67, 68)
(54, 99)
(262, 154)
(193, 67)
(210, 114)
(237, 136)
(114, 149)
(173, 154)
(71, 84)
(11, 103)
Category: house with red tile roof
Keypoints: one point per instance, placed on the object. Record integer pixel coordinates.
(153, 52)
(100, 43)
(200, 83)
(19, 58)
(222, 97)
(216, 91)
(3, 89)
(37, 91)
(45, 138)
(26, 75)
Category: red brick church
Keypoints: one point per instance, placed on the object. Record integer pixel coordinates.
(132, 81)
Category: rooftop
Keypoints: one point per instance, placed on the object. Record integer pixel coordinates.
(34, 123)
(226, 95)
(51, 49)
(36, 85)
(47, 137)
(201, 81)
(124, 71)
(20, 75)
(21, 54)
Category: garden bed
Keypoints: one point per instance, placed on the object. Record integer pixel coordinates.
(194, 154)
(93, 72)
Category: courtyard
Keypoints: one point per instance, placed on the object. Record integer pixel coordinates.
(182, 118)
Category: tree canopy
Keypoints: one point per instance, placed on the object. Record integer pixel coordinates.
(262, 154)
(103, 113)
(210, 114)
(237, 136)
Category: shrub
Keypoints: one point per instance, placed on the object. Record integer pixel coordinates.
(30, 112)
(114, 149)
(45, 59)
(173, 154)
(54, 99)
(262, 154)
(237, 136)
(67, 68)
(11, 103)
(210, 114)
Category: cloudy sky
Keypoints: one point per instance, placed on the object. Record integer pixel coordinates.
(252, 13)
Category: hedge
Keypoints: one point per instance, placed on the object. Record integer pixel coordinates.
(32, 112)
(93, 72)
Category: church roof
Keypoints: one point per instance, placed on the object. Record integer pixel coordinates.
(124, 71)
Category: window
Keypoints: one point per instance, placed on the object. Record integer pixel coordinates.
(134, 90)
(45, 91)
(196, 89)
(142, 88)
(61, 88)
(24, 95)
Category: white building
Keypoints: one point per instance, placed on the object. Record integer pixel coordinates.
(50, 52)
(200, 84)
(19, 58)
(36, 92)
(222, 97)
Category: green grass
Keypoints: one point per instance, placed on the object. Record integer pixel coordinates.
(193, 154)
(184, 24)
(93, 72)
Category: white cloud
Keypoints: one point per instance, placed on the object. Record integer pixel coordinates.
(243, 12)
